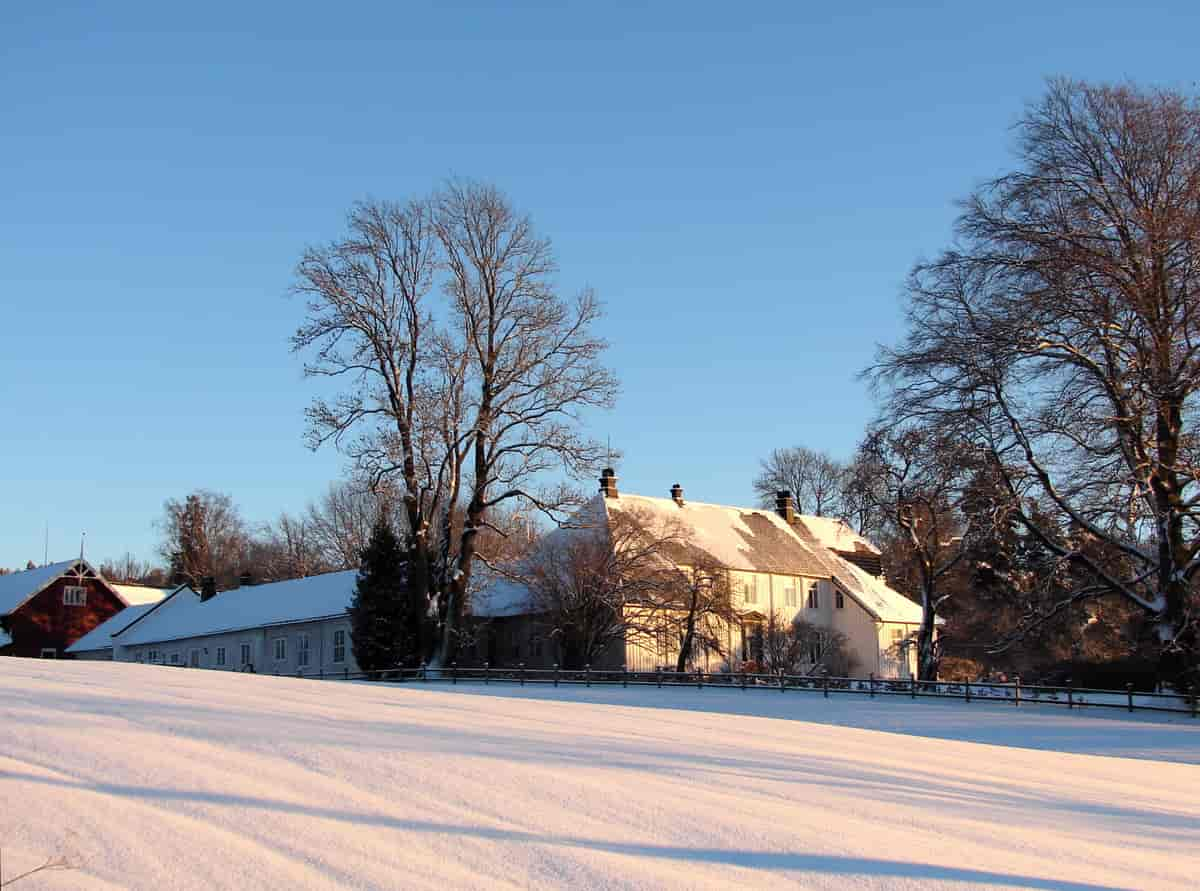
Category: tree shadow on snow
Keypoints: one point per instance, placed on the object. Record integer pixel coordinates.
(786, 861)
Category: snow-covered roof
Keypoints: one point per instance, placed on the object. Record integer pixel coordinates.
(137, 595)
(100, 637)
(739, 538)
(184, 615)
(835, 534)
(745, 538)
(17, 587)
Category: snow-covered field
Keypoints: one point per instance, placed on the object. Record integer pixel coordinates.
(159, 778)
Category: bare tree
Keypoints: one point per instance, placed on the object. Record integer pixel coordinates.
(128, 568)
(288, 548)
(1061, 337)
(919, 481)
(203, 536)
(816, 479)
(340, 521)
(466, 404)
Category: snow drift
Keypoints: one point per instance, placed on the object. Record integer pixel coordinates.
(152, 777)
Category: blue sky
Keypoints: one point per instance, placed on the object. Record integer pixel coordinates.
(745, 186)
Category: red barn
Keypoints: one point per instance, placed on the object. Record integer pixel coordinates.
(45, 610)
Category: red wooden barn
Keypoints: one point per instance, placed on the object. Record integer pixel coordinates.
(45, 610)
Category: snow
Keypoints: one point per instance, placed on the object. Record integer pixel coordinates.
(183, 615)
(153, 777)
(138, 595)
(100, 637)
(835, 534)
(501, 597)
(874, 594)
(17, 587)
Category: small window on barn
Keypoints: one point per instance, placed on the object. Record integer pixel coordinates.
(814, 597)
(152, 656)
(174, 658)
(790, 594)
(220, 655)
(245, 654)
(49, 653)
(74, 595)
(281, 649)
(302, 650)
(839, 599)
(339, 646)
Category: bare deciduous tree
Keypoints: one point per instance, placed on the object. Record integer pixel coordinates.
(465, 404)
(815, 479)
(203, 536)
(1061, 337)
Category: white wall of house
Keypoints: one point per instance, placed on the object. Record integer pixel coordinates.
(224, 652)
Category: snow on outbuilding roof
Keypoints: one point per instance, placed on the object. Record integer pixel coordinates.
(253, 606)
(138, 595)
(17, 587)
(100, 637)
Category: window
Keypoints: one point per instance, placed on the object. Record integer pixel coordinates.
(174, 658)
(153, 656)
(839, 599)
(790, 595)
(281, 649)
(245, 654)
(750, 589)
(897, 635)
(220, 655)
(302, 650)
(74, 595)
(814, 597)
(339, 646)
(49, 653)
(194, 658)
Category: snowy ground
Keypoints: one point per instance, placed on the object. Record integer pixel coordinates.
(151, 777)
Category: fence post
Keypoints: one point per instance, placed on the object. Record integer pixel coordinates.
(487, 673)
(556, 674)
(825, 689)
(658, 676)
(743, 674)
(587, 674)
(1195, 702)
(453, 673)
(967, 687)
(1129, 695)
(346, 673)
(522, 674)
(624, 675)
(912, 688)
(699, 680)
(781, 684)
(1017, 692)
(1070, 695)
(872, 682)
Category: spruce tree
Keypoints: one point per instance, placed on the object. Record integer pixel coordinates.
(380, 629)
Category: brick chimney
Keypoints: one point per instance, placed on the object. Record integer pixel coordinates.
(608, 483)
(208, 588)
(677, 494)
(785, 507)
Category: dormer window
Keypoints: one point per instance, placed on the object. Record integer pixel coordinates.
(74, 595)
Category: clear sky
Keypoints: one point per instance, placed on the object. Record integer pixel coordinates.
(745, 185)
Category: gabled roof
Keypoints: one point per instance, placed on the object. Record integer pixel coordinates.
(737, 538)
(184, 615)
(745, 538)
(100, 637)
(137, 595)
(18, 587)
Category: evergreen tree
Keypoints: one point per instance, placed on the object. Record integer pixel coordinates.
(380, 628)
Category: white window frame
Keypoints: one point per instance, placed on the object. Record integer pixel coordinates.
(791, 594)
(278, 647)
(175, 659)
(221, 657)
(74, 595)
(53, 651)
(152, 656)
(814, 597)
(246, 653)
(750, 589)
(339, 645)
(302, 650)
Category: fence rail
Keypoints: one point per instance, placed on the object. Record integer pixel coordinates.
(1014, 693)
